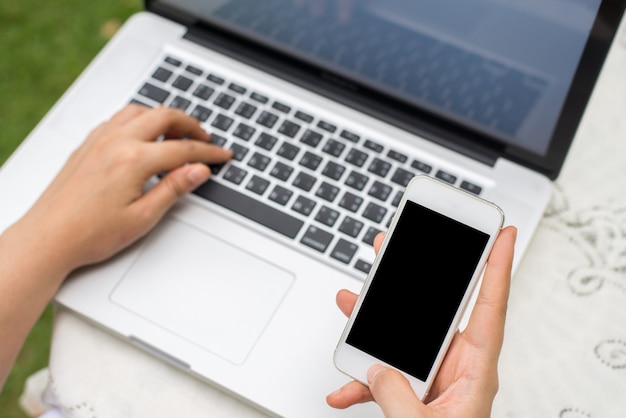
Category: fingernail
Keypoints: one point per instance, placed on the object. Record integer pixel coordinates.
(373, 372)
(198, 174)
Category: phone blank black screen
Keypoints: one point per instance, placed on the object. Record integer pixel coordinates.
(419, 284)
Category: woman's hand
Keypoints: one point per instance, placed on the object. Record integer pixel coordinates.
(467, 381)
(97, 205)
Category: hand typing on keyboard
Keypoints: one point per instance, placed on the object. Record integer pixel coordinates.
(95, 207)
(467, 382)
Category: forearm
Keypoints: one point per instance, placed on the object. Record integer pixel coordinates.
(31, 271)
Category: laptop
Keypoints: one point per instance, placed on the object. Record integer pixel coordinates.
(331, 107)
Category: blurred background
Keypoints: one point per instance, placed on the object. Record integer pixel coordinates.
(44, 45)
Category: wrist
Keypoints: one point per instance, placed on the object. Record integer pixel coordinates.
(33, 251)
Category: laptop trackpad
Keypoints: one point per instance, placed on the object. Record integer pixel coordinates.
(200, 288)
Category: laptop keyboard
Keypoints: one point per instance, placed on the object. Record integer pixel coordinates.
(329, 189)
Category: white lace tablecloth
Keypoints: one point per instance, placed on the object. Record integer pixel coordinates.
(565, 347)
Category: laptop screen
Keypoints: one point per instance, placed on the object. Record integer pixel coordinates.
(502, 68)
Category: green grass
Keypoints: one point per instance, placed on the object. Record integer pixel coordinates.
(44, 45)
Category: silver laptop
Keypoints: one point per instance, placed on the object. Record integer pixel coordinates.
(331, 108)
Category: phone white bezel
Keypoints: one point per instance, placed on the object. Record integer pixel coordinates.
(454, 203)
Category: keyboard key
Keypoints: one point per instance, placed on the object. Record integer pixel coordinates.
(329, 127)
(370, 235)
(162, 74)
(445, 176)
(139, 102)
(182, 83)
(203, 91)
(281, 107)
(380, 191)
(357, 180)
(193, 70)
(398, 156)
(379, 167)
(237, 88)
(317, 238)
(266, 141)
(374, 212)
(235, 174)
(356, 157)
(259, 98)
(333, 170)
(351, 202)
(222, 122)
(239, 151)
(470, 187)
(327, 216)
(351, 226)
(180, 103)
(397, 198)
(289, 128)
(201, 113)
(310, 161)
(288, 151)
(374, 146)
(215, 79)
(250, 208)
(402, 177)
(304, 181)
(259, 161)
(363, 266)
(305, 117)
(352, 137)
(311, 138)
(280, 195)
(344, 251)
(245, 110)
(173, 61)
(327, 191)
(423, 167)
(267, 119)
(258, 185)
(303, 205)
(281, 171)
(224, 101)
(153, 92)
(244, 131)
(334, 148)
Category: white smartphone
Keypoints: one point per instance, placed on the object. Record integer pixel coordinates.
(420, 283)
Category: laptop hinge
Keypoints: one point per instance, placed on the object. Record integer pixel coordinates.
(346, 92)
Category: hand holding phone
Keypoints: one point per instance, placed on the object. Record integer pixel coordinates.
(421, 281)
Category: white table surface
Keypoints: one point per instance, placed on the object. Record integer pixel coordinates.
(565, 345)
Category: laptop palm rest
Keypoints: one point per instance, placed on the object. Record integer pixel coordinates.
(199, 296)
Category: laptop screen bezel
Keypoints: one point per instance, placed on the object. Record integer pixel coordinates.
(419, 121)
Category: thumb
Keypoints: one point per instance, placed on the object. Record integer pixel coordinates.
(393, 392)
(175, 184)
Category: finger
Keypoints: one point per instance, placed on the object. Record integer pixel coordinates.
(350, 394)
(393, 392)
(128, 113)
(486, 324)
(378, 241)
(168, 155)
(163, 120)
(154, 204)
(345, 301)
